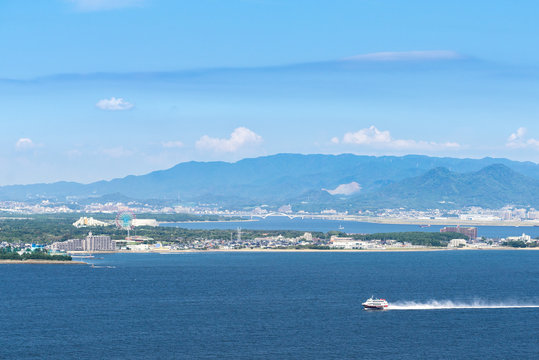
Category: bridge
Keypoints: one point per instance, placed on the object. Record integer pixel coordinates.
(263, 216)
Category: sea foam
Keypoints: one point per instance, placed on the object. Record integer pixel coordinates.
(448, 304)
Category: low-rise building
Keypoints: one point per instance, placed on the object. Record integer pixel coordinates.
(454, 243)
(525, 238)
(349, 243)
(145, 222)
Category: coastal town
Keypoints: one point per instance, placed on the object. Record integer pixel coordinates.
(113, 227)
(457, 238)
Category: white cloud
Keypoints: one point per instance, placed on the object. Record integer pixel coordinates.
(240, 137)
(99, 5)
(371, 136)
(114, 104)
(367, 136)
(172, 144)
(425, 55)
(24, 144)
(518, 139)
(345, 189)
(117, 152)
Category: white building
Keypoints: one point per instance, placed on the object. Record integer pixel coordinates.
(523, 237)
(454, 243)
(90, 243)
(85, 221)
(349, 243)
(308, 236)
(145, 222)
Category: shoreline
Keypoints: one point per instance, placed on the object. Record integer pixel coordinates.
(49, 262)
(166, 252)
(446, 222)
(388, 221)
(205, 221)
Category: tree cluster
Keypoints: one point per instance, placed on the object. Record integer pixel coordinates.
(12, 254)
(413, 237)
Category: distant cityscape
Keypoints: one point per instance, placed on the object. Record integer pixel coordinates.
(470, 214)
(457, 221)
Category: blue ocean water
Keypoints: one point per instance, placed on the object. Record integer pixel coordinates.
(284, 223)
(299, 305)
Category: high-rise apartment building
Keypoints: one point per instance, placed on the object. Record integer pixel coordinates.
(90, 243)
(470, 232)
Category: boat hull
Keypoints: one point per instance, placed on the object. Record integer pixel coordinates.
(371, 307)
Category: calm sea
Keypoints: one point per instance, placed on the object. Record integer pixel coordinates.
(284, 223)
(447, 305)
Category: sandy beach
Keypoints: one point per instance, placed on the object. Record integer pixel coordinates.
(162, 251)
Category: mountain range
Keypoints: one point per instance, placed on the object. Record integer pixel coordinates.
(314, 182)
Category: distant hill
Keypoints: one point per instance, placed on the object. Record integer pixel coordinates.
(491, 187)
(300, 179)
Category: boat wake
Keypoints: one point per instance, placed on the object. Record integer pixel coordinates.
(448, 304)
(93, 266)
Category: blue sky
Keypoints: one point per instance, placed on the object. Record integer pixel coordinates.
(97, 89)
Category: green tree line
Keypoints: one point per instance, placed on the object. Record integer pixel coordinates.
(12, 254)
(414, 237)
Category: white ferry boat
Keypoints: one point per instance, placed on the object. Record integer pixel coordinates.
(375, 304)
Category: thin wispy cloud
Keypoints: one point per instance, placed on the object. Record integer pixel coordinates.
(426, 55)
(373, 137)
(193, 74)
(114, 104)
(238, 139)
(519, 140)
(24, 144)
(172, 144)
(103, 5)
